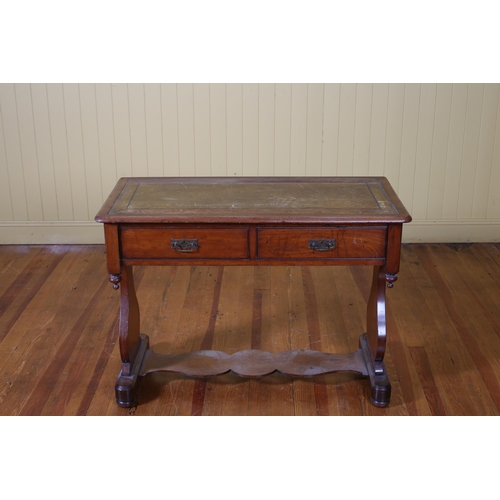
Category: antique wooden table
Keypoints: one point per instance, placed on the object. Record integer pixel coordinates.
(256, 221)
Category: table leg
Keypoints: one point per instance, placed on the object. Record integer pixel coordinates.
(133, 345)
(374, 341)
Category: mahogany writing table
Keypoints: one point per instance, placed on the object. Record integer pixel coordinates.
(256, 221)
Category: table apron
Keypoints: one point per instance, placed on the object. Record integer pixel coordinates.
(253, 262)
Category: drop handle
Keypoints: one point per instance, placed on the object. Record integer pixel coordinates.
(184, 245)
(321, 245)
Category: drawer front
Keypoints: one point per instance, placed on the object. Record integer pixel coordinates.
(161, 243)
(322, 243)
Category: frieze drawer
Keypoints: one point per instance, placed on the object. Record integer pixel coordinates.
(179, 243)
(322, 243)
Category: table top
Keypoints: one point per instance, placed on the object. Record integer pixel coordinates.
(253, 200)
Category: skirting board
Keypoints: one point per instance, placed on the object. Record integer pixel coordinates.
(89, 232)
(452, 231)
(51, 233)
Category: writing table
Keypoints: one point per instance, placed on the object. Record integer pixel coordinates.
(257, 221)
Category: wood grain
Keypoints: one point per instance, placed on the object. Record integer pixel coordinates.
(156, 243)
(60, 354)
(350, 243)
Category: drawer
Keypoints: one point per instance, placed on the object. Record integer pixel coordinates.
(322, 243)
(179, 243)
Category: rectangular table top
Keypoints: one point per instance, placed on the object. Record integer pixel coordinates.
(253, 200)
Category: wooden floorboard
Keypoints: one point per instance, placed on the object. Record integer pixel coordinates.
(59, 324)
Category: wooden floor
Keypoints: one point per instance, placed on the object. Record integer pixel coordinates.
(59, 318)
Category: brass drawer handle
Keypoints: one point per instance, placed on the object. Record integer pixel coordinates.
(321, 245)
(184, 245)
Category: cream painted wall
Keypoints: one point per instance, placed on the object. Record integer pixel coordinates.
(63, 146)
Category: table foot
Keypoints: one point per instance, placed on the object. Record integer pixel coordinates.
(377, 376)
(127, 386)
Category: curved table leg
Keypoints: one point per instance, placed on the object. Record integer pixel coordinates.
(133, 345)
(373, 342)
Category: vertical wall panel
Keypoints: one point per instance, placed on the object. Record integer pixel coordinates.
(251, 129)
(201, 93)
(154, 135)
(395, 110)
(493, 206)
(137, 110)
(185, 116)
(106, 137)
(45, 162)
(28, 151)
(439, 150)
(314, 132)
(378, 129)
(60, 153)
(266, 129)
(362, 128)
(485, 151)
(218, 139)
(6, 212)
(347, 114)
(298, 131)
(282, 129)
(170, 122)
(234, 132)
(13, 152)
(424, 149)
(121, 125)
(91, 148)
(455, 150)
(331, 129)
(409, 144)
(78, 180)
(470, 149)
